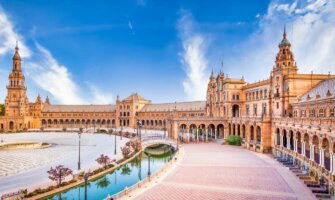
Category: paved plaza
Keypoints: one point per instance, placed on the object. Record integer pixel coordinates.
(26, 168)
(213, 171)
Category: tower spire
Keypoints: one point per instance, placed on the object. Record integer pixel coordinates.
(284, 34)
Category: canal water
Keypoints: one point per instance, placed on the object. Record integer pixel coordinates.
(114, 182)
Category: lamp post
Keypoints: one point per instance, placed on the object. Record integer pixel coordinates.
(86, 181)
(178, 137)
(164, 129)
(121, 127)
(114, 142)
(79, 135)
(170, 151)
(149, 172)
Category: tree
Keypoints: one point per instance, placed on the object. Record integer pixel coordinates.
(125, 151)
(103, 160)
(59, 173)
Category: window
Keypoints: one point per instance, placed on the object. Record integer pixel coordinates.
(265, 94)
(311, 113)
(295, 113)
(255, 109)
(264, 108)
(277, 105)
(321, 112)
(332, 112)
(233, 96)
(303, 113)
(247, 109)
(237, 97)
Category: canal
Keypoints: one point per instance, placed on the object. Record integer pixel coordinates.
(114, 182)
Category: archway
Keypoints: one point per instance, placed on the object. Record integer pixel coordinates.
(325, 147)
(284, 138)
(236, 110)
(211, 130)
(238, 129)
(234, 129)
(251, 134)
(277, 136)
(298, 137)
(291, 140)
(315, 142)
(243, 131)
(220, 131)
(307, 146)
(11, 125)
(259, 135)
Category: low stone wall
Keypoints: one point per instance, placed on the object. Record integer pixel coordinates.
(23, 145)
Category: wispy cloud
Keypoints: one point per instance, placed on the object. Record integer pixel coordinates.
(8, 36)
(131, 28)
(311, 31)
(53, 77)
(100, 97)
(193, 58)
(48, 74)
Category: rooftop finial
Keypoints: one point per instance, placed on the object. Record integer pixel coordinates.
(284, 34)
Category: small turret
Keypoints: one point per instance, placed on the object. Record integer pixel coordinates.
(47, 101)
(38, 99)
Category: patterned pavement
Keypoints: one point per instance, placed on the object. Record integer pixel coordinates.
(212, 171)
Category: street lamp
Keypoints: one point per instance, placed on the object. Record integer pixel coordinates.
(149, 173)
(178, 137)
(114, 142)
(86, 181)
(121, 127)
(170, 151)
(79, 135)
(164, 129)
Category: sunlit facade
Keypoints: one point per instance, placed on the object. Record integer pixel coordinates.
(287, 113)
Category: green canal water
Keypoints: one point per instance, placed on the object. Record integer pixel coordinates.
(114, 182)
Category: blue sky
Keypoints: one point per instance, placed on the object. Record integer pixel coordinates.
(90, 51)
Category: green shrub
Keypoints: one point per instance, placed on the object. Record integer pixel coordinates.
(234, 140)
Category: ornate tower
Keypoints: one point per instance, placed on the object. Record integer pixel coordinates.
(285, 67)
(16, 100)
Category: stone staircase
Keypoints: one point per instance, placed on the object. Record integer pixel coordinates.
(320, 191)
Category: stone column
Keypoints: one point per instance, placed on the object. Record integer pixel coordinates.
(311, 152)
(294, 145)
(206, 132)
(303, 148)
(332, 163)
(281, 140)
(322, 157)
(214, 134)
(197, 134)
(288, 145)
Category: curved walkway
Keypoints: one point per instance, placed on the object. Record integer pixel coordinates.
(212, 171)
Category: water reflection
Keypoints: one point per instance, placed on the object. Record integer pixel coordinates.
(116, 181)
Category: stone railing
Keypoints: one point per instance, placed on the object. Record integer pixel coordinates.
(143, 182)
(306, 121)
(311, 163)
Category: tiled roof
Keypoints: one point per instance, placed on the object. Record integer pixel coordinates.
(79, 108)
(323, 90)
(135, 96)
(179, 106)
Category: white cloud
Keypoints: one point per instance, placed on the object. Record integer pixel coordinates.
(193, 58)
(310, 29)
(48, 74)
(100, 97)
(8, 37)
(53, 77)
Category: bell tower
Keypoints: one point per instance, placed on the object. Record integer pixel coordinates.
(16, 101)
(285, 67)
